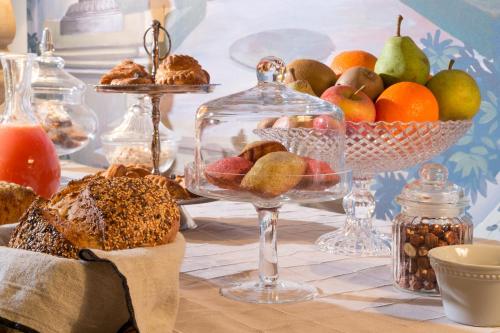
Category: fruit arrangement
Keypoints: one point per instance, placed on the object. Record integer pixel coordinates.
(267, 169)
(396, 86)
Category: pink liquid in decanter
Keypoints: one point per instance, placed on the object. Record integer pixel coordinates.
(27, 155)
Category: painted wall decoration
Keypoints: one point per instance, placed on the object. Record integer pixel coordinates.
(226, 36)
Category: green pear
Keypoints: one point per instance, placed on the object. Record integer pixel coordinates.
(457, 94)
(402, 60)
(302, 86)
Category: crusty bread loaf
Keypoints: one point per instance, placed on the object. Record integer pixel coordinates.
(100, 213)
(14, 201)
(175, 189)
(37, 232)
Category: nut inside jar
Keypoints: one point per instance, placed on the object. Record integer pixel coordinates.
(414, 238)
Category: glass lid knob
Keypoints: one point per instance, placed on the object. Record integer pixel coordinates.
(433, 173)
(271, 69)
(47, 44)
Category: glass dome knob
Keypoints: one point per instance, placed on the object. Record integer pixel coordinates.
(271, 69)
(433, 173)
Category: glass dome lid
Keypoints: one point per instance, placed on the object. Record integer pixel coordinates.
(50, 80)
(269, 118)
(270, 97)
(433, 189)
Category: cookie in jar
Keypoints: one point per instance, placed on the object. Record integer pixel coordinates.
(432, 215)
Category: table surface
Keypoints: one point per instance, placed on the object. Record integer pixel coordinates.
(356, 294)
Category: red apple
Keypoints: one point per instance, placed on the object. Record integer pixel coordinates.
(357, 106)
(325, 122)
(318, 175)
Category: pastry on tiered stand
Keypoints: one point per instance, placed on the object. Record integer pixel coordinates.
(181, 69)
(127, 72)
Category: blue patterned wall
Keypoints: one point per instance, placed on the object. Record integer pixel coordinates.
(474, 161)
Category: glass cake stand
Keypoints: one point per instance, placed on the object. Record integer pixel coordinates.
(269, 289)
(240, 157)
(382, 147)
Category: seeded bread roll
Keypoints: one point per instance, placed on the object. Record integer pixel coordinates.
(100, 213)
(14, 201)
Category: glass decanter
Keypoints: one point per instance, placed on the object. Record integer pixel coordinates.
(27, 155)
(58, 102)
(269, 145)
(130, 141)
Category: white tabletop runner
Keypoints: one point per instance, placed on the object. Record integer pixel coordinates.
(356, 294)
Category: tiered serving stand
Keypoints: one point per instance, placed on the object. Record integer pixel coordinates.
(155, 91)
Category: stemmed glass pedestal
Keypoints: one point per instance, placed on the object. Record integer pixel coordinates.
(382, 147)
(269, 288)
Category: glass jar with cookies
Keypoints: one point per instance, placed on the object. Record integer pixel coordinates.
(58, 102)
(432, 215)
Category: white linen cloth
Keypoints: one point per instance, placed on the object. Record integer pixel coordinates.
(355, 294)
(102, 292)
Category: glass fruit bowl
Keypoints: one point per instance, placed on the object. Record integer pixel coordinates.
(247, 151)
(382, 147)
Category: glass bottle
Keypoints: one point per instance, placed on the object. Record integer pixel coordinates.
(432, 215)
(27, 155)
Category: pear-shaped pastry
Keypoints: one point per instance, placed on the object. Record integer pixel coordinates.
(274, 174)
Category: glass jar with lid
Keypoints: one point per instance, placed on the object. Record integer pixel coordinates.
(130, 141)
(432, 215)
(58, 102)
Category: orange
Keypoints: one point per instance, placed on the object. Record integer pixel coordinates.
(347, 59)
(407, 101)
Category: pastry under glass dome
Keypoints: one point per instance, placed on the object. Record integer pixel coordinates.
(227, 126)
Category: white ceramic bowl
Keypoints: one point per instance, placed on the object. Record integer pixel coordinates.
(469, 281)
